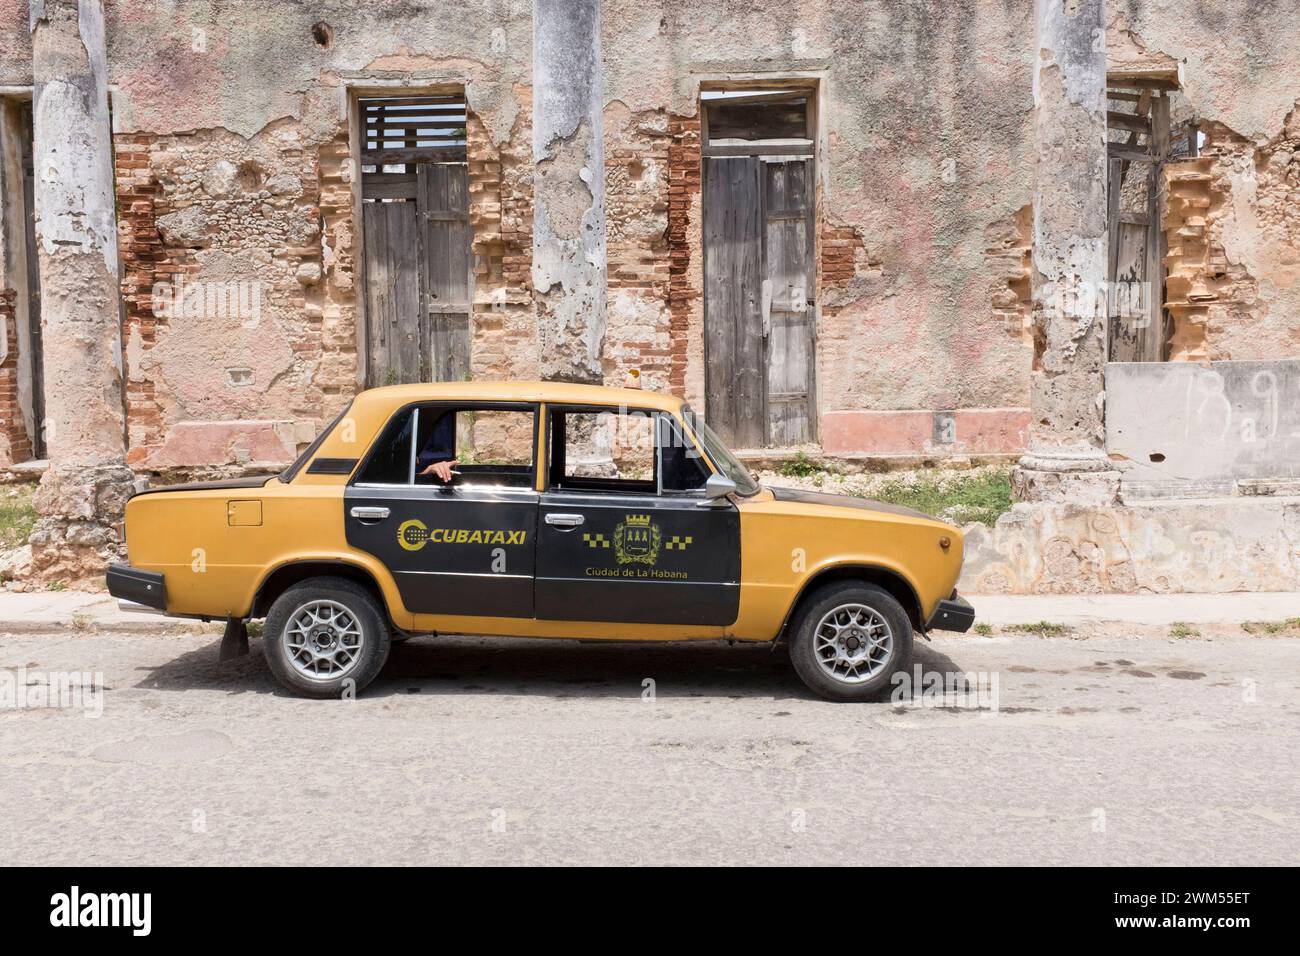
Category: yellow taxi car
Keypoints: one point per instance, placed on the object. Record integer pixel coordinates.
(540, 510)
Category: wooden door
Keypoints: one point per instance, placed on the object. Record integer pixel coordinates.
(418, 243)
(393, 310)
(758, 315)
(1137, 153)
(442, 200)
(735, 372)
(787, 293)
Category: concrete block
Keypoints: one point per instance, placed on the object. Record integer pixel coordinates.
(1179, 422)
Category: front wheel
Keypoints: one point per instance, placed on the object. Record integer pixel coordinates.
(848, 640)
(326, 637)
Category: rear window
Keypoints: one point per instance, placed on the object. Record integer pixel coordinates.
(300, 462)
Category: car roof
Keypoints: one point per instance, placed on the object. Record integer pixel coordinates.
(560, 393)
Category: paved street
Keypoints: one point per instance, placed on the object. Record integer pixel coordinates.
(1115, 745)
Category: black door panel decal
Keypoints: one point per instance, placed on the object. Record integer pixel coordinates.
(459, 551)
(638, 560)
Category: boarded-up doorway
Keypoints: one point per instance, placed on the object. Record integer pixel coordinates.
(417, 240)
(1137, 149)
(759, 310)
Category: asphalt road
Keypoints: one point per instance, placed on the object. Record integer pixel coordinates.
(1114, 749)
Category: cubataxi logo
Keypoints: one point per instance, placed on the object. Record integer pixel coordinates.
(414, 534)
(75, 908)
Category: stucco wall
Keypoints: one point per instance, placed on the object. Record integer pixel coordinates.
(925, 113)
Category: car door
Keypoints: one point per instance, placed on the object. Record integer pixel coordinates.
(619, 542)
(463, 549)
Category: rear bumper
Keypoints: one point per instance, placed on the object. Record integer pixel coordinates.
(952, 614)
(131, 584)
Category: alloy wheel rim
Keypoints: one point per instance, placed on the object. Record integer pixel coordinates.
(324, 640)
(853, 643)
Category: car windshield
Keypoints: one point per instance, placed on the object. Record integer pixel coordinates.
(720, 454)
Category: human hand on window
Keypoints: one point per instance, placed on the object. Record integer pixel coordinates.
(440, 469)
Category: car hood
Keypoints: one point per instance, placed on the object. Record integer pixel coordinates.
(844, 501)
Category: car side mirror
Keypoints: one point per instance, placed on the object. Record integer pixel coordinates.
(718, 487)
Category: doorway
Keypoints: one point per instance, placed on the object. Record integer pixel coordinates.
(759, 190)
(417, 239)
(22, 390)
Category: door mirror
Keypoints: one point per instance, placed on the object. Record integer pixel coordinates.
(718, 487)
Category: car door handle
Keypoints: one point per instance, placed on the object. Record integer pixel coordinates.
(369, 515)
(564, 521)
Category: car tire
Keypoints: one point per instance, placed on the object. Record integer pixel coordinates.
(311, 628)
(838, 641)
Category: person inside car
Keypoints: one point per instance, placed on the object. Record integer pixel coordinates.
(439, 452)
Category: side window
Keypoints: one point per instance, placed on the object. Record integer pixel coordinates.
(390, 459)
(602, 450)
(485, 446)
(630, 452)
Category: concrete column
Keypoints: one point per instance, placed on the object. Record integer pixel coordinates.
(569, 190)
(1067, 458)
(86, 486)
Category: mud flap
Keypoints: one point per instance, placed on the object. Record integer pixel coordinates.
(234, 642)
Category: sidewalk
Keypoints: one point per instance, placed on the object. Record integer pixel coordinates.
(60, 611)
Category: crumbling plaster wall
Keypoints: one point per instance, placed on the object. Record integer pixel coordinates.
(1233, 221)
(234, 156)
(233, 164)
(925, 109)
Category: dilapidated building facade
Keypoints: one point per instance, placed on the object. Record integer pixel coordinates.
(876, 231)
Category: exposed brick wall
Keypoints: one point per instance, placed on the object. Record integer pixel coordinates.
(144, 261)
(637, 182)
(1238, 305)
(1009, 253)
(501, 214)
(15, 445)
(839, 247)
(273, 213)
(683, 197)
(335, 293)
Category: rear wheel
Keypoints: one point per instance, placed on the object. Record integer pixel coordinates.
(326, 637)
(848, 640)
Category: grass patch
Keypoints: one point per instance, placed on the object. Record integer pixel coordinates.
(1181, 629)
(17, 515)
(982, 497)
(1271, 627)
(800, 466)
(983, 630)
(1040, 629)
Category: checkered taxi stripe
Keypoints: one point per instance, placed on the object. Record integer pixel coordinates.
(595, 540)
(678, 542)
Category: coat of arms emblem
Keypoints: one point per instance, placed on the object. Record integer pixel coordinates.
(636, 540)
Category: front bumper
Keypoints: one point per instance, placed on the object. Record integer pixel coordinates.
(132, 584)
(952, 614)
